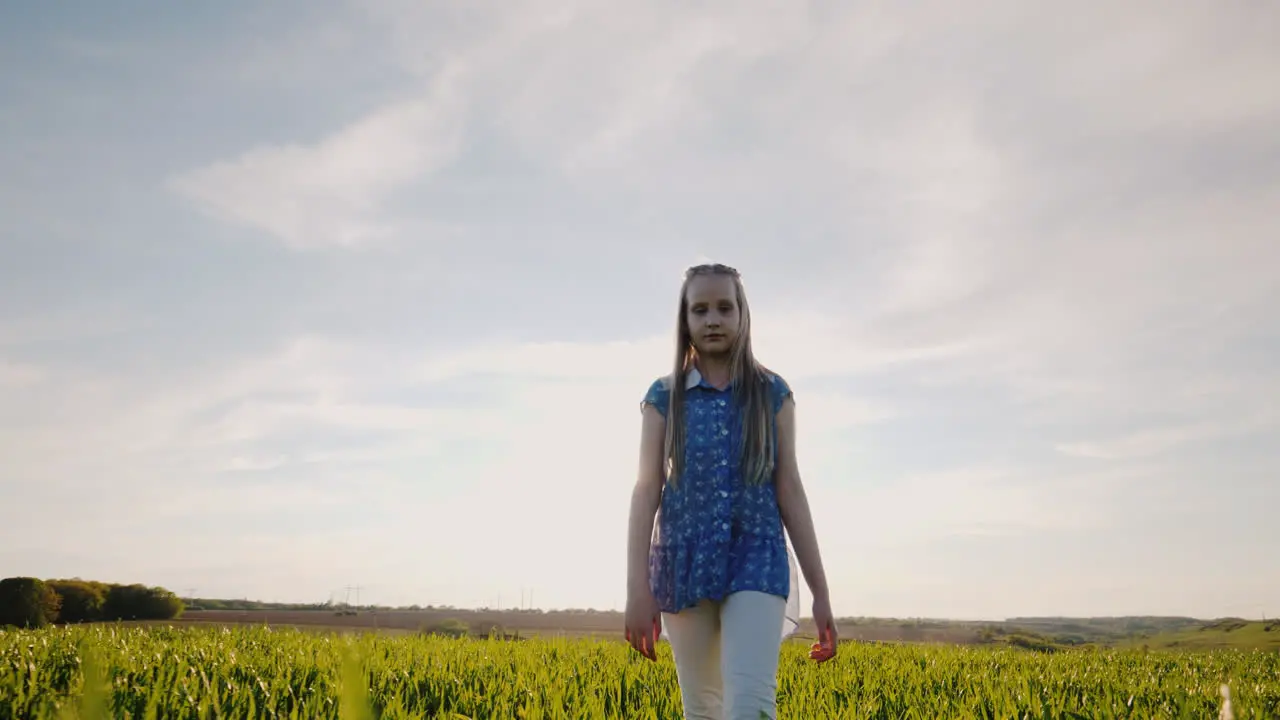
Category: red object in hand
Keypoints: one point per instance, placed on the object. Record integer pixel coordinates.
(824, 649)
(646, 645)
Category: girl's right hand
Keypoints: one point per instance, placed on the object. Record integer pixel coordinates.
(643, 622)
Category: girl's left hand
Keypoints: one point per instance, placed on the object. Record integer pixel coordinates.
(828, 639)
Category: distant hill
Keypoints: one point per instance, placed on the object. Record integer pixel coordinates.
(1036, 633)
(1104, 630)
(1216, 634)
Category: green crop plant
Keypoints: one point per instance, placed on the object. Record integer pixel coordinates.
(94, 671)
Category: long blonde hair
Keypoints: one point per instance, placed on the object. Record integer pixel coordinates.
(750, 380)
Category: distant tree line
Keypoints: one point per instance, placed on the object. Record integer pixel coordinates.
(32, 602)
(196, 604)
(240, 604)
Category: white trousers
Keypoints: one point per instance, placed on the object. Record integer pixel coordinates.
(727, 656)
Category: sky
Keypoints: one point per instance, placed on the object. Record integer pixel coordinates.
(301, 296)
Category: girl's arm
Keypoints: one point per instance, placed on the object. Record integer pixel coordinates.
(794, 504)
(644, 499)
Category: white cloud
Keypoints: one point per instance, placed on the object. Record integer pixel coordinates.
(332, 193)
(1140, 444)
(19, 375)
(1153, 441)
(98, 320)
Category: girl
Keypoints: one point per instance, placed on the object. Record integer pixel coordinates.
(718, 471)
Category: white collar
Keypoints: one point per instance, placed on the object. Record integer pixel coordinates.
(692, 378)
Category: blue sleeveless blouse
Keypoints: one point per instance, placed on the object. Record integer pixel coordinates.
(715, 534)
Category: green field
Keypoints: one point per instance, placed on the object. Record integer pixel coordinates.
(255, 672)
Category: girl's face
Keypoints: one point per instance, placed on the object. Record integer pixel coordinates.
(713, 314)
